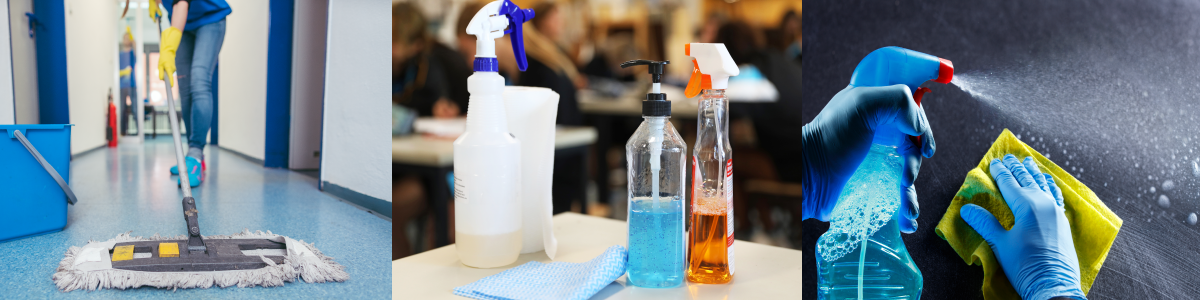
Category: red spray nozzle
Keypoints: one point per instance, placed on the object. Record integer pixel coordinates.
(945, 71)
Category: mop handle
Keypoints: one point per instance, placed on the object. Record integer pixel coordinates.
(49, 169)
(173, 116)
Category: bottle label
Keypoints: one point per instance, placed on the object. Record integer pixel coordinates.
(696, 180)
(460, 190)
(729, 213)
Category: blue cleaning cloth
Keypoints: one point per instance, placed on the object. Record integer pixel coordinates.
(557, 280)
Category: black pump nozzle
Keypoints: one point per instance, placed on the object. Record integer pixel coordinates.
(656, 104)
(656, 67)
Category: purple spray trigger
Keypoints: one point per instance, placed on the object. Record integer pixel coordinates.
(516, 18)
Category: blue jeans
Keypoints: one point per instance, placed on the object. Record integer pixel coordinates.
(194, 64)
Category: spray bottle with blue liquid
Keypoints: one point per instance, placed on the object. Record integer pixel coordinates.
(862, 255)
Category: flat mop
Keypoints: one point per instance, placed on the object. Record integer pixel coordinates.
(243, 259)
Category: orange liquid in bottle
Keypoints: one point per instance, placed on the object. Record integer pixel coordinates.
(709, 241)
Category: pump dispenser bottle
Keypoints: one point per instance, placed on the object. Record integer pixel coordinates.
(487, 158)
(862, 255)
(710, 245)
(655, 154)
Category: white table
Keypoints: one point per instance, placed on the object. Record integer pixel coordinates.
(763, 272)
(439, 152)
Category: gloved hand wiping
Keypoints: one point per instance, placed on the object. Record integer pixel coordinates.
(1037, 254)
(838, 139)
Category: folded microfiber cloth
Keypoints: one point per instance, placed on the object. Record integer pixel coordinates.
(557, 280)
(1093, 225)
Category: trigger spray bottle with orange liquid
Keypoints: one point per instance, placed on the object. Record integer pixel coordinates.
(710, 238)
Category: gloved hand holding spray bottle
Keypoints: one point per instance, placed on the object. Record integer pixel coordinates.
(710, 246)
(487, 158)
(862, 255)
(655, 154)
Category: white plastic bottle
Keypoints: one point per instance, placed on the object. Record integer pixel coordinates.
(487, 158)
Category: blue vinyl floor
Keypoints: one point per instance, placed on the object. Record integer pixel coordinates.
(130, 189)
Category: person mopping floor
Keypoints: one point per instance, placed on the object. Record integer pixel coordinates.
(245, 259)
(192, 43)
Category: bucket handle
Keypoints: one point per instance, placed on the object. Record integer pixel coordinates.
(63, 184)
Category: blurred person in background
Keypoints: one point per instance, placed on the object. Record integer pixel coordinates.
(432, 80)
(591, 58)
(426, 76)
(551, 67)
(129, 96)
(789, 36)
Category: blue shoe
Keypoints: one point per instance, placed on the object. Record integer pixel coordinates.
(195, 172)
(175, 169)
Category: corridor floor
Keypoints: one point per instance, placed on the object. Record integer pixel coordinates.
(130, 189)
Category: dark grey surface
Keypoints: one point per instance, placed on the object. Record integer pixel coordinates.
(1109, 89)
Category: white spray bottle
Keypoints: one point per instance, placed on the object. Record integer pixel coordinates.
(487, 158)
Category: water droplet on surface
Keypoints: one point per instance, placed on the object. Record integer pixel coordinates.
(1168, 185)
(1164, 201)
(1151, 190)
(1192, 218)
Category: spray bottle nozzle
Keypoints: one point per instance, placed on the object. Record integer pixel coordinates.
(656, 104)
(516, 17)
(493, 21)
(712, 67)
(894, 65)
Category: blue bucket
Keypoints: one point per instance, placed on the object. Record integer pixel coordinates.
(31, 201)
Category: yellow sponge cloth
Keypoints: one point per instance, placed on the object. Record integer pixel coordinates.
(1093, 225)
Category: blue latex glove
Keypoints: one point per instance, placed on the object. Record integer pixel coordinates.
(1037, 254)
(838, 140)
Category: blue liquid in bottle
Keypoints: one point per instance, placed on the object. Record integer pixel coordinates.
(656, 258)
(862, 255)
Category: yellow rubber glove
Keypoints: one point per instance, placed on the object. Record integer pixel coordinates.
(166, 53)
(126, 71)
(154, 12)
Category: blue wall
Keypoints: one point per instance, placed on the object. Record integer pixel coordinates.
(279, 84)
(50, 39)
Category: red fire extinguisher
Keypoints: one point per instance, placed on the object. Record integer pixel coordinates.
(112, 122)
